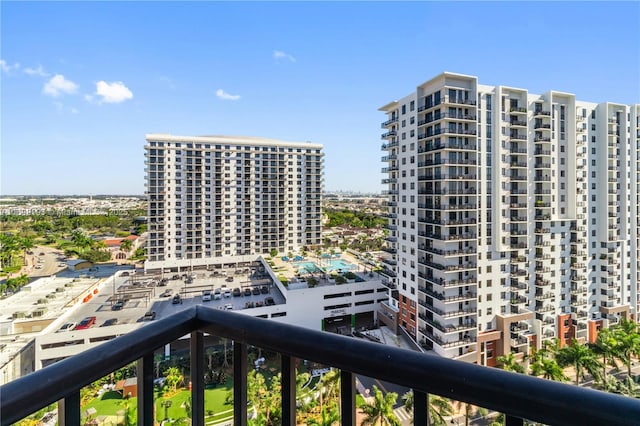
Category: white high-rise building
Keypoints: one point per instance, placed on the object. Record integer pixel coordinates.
(214, 196)
(513, 217)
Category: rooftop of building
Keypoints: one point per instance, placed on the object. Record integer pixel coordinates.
(239, 140)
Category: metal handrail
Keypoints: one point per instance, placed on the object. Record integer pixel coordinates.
(517, 395)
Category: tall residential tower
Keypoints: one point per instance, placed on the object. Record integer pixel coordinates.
(513, 217)
(216, 196)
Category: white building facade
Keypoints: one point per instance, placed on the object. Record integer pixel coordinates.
(219, 196)
(513, 217)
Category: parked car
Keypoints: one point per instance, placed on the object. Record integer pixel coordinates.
(255, 290)
(237, 292)
(227, 292)
(166, 293)
(206, 296)
(247, 291)
(149, 316)
(86, 323)
(264, 289)
(176, 299)
(268, 301)
(259, 304)
(248, 305)
(217, 294)
(175, 277)
(163, 282)
(229, 279)
(68, 326)
(119, 304)
(228, 307)
(110, 321)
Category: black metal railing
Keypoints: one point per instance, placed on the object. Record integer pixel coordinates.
(517, 395)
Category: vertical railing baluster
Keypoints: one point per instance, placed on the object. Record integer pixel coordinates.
(69, 410)
(144, 367)
(288, 386)
(197, 378)
(513, 421)
(348, 398)
(420, 408)
(239, 384)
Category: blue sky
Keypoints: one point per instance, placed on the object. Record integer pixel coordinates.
(82, 82)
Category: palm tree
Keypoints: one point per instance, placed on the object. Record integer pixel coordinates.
(380, 410)
(328, 417)
(173, 377)
(628, 342)
(606, 346)
(545, 365)
(126, 245)
(26, 244)
(439, 408)
(582, 358)
(509, 363)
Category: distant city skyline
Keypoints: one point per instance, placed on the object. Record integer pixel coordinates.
(82, 83)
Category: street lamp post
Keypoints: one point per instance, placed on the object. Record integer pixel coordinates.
(166, 404)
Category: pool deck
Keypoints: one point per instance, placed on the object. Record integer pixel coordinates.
(288, 269)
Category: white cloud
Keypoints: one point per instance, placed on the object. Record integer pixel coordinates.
(58, 85)
(74, 111)
(278, 54)
(36, 71)
(226, 96)
(113, 93)
(88, 98)
(6, 67)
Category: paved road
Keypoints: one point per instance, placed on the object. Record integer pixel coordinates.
(45, 262)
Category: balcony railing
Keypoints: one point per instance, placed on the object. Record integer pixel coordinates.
(517, 395)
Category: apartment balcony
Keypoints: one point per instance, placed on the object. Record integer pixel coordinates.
(520, 300)
(449, 328)
(448, 161)
(388, 122)
(447, 343)
(519, 396)
(390, 250)
(389, 261)
(542, 126)
(446, 145)
(518, 123)
(518, 164)
(518, 110)
(544, 296)
(389, 134)
(448, 176)
(386, 146)
(519, 326)
(518, 137)
(459, 101)
(541, 113)
(469, 251)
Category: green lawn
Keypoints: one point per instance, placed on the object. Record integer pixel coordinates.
(111, 402)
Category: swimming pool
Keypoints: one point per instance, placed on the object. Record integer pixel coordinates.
(339, 264)
(327, 265)
(308, 267)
